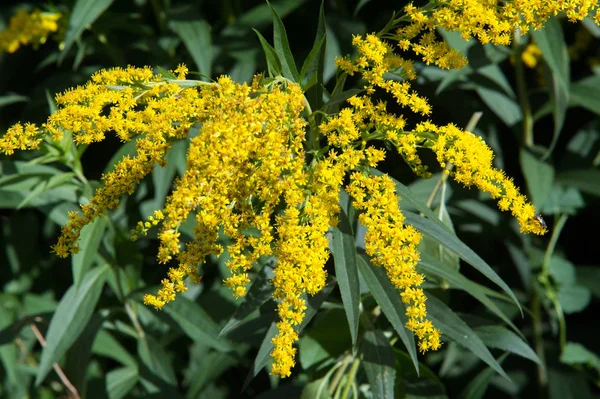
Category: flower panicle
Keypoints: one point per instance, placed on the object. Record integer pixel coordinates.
(28, 28)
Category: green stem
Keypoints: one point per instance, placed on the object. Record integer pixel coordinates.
(538, 334)
(339, 374)
(351, 377)
(560, 223)
(522, 91)
(538, 341)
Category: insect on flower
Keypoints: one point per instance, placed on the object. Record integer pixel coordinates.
(541, 221)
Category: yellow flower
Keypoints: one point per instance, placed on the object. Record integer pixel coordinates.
(28, 28)
(393, 246)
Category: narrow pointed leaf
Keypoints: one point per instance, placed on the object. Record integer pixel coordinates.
(196, 37)
(391, 305)
(121, 381)
(159, 373)
(313, 305)
(85, 12)
(346, 272)
(478, 386)
(459, 281)
(499, 337)
(196, 323)
(282, 48)
(311, 75)
(273, 61)
(380, 364)
(456, 329)
(450, 241)
(407, 195)
(89, 242)
(259, 293)
(70, 319)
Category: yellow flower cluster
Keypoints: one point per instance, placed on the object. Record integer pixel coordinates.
(375, 58)
(489, 21)
(28, 28)
(393, 245)
(531, 55)
(472, 159)
(247, 177)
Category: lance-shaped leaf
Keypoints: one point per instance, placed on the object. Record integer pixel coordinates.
(282, 48)
(380, 364)
(313, 305)
(389, 300)
(452, 242)
(273, 61)
(257, 295)
(456, 329)
(478, 386)
(346, 272)
(85, 12)
(459, 281)
(70, 319)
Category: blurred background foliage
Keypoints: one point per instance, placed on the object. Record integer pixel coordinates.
(119, 348)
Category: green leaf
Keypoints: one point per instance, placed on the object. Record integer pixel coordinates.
(89, 242)
(391, 305)
(410, 385)
(429, 246)
(9, 99)
(312, 68)
(196, 323)
(263, 356)
(311, 75)
(586, 93)
(120, 382)
(407, 195)
(346, 272)
(70, 319)
(106, 345)
(539, 176)
(325, 340)
(478, 386)
(453, 243)
(576, 354)
(44, 186)
(85, 12)
(573, 298)
(587, 180)
(562, 271)
(499, 337)
(78, 356)
(260, 292)
(342, 96)
(197, 39)
(589, 277)
(456, 329)
(260, 16)
(563, 200)
(379, 363)
(430, 265)
(551, 41)
(273, 61)
(160, 374)
(505, 107)
(314, 303)
(282, 48)
(316, 389)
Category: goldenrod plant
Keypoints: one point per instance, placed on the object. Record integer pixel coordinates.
(296, 186)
